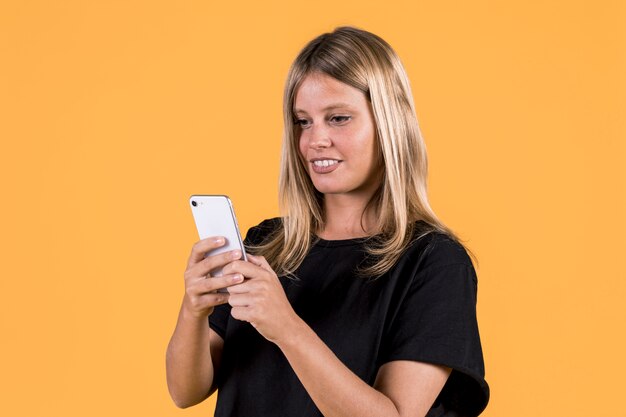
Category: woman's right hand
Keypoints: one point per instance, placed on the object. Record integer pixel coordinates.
(200, 289)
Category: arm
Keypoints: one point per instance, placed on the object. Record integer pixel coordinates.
(402, 388)
(194, 351)
(192, 356)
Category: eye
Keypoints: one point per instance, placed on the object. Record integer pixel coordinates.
(340, 119)
(303, 123)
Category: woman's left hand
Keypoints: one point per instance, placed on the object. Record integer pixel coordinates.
(260, 299)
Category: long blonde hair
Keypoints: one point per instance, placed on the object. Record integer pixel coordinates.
(366, 62)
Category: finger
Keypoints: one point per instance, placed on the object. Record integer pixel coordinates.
(201, 247)
(213, 284)
(260, 261)
(212, 262)
(241, 313)
(215, 299)
(247, 269)
(244, 287)
(240, 300)
(254, 259)
(206, 301)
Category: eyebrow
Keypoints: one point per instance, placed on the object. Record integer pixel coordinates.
(330, 107)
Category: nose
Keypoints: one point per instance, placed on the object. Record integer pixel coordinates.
(319, 136)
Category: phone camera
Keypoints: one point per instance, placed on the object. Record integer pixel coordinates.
(193, 203)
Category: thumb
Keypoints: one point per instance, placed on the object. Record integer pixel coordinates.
(260, 261)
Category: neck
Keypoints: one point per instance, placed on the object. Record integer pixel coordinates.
(344, 218)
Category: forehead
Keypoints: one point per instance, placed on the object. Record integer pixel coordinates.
(318, 92)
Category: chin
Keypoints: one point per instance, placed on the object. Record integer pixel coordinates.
(331, 189)
(334, 187)
(328, 189)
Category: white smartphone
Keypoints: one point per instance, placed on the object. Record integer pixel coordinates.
(214, 216)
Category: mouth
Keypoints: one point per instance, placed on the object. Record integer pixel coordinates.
(323, 166)
(325, 162)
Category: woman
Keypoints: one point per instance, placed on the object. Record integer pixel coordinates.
(358, 301)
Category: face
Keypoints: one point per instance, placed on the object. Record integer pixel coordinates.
(337, 137)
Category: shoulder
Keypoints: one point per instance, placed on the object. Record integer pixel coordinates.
(432, 250)
(439, 249)
(436, 321)
(436, 248)
(259, 233)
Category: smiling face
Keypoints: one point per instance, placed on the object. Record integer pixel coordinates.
(337, 137)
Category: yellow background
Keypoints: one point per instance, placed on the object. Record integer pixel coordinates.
(113, 112)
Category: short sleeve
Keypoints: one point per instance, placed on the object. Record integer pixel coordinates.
(436, 323)
(218, 320)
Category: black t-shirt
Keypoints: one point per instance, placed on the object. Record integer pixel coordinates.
(423, 309)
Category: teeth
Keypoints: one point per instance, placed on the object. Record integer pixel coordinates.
(325, 162)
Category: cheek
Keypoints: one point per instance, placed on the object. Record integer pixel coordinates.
(371, 155)
(366, 142)
(301, 148)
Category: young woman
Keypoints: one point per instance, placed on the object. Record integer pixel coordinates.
(358, 301)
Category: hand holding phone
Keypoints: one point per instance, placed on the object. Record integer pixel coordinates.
(214, 217)
(202, 294)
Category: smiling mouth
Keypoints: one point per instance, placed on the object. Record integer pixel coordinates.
(325, 162)
(324, 166)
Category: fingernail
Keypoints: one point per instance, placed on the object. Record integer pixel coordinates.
(218, 240)
(236, 254)
(238, 278)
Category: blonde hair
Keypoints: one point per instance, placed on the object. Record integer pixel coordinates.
(368, 63)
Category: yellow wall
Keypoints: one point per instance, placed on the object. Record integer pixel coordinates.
(113, 112)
